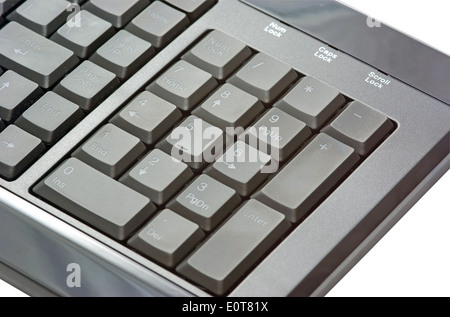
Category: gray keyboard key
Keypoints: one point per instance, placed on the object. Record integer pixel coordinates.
(43, 17)
(218, 54)
(123, 54)
(277, 134)
(6, 5)
(96, 199)
(18, 150)
(312, 102)
(117, 12)
(206, 202)
(16, 94)
(194, 142)
(111, 150)
(167, 238)
(230, 107)
(147, 117)
(50, 117)
(86, 36)
(158, 176)
(264, 77)
(158, 24)
(308, 177)
(184, 85)
(360, 127)
(231, 251)
(193, 8)
(27, 53)
(87, 85)
(241, 168)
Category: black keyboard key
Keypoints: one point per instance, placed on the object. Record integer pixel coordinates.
(194, 142)
(87, 85)
(277, 134)
(123, 54)
(86, 37)
(218, 54)
(242, 167)
(184, 85)
(34, 56)
(308, 177)
(264, 77)
(50, 117)
(206, 202)
(96, 199)
(147, 117)
(111, 150)
(16, 94)
(236, 246)
(2, 125)
(18, 150)
(117, 12)
(312, 102)
(158, 24)
(158, 176)
(230, 107)
(360, 127)
(168, 238)
(43, 17)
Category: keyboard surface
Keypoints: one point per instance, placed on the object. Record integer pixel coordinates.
(199, 152)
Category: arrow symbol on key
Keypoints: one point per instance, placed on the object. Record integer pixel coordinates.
(5, 85)
(19, 51)
(133, 114)
(216, 103)
(9, 145)
(231, 166)
(143, 171)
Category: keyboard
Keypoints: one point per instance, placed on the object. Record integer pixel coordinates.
(161, 149)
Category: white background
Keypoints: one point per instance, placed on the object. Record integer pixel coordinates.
(413, 259)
